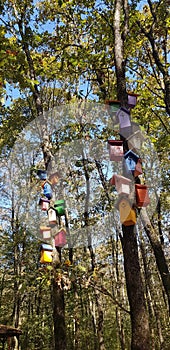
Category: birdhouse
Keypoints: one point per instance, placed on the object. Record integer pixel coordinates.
(60, 238)
(127, 213)
(112, 106)
(53, 178)
(52, 218)
(112, 181)
(42, 174)
(44, 203)
(46, 251)
(122, 184)
(115, 149)
(45, 231)
(131, 159)
(59, 206)
(132, 99)
(124, 117)
(135, 140)
(47, 190)
(138, 168)
(142, 195)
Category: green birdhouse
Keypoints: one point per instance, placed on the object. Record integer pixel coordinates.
(59, 206)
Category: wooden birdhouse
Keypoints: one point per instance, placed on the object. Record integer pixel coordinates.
(132, 99)
(127, 213)
(112, 106)
(47, 190)
(46, 251)
(124, 118)
(135, 140)
(115, 149)
(131, 159)
(45, 231)
(142, 195)
(52, 218)
(122, 184)
(59, 206)
(42, 174)
(53, 178)
(60, 238)
(138, 168)
(44, 203)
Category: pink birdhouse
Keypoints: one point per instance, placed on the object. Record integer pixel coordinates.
(142, 195)
(115, 149)
(60, 238)
(132, 99)
(44, 203)
(52, 218)
(122, 184)
(135, 140)
(45, 231)
(138, 168)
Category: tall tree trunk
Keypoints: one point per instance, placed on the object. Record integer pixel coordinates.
(139, 318)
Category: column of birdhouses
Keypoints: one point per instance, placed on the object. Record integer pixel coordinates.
(55, 210)
(126, 150)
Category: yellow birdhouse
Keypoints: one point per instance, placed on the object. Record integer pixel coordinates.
(46, 253)
(127, 213)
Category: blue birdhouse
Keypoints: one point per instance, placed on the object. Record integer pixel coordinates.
(42, 174)
(47, 190)
(130, 162)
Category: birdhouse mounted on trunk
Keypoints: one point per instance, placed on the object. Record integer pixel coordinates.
(44, 203)
(46, 251)
(127, 213)
(122, 184)
(53, 178)
(45, 231)
(42, 174)
(132, 99)
(124, 118)
(112, 106)
(142, 195)
(47, 190)
(138, 168)
(135, 140)
(52, 218)
(60, 238)
(130, 161)
(59, 206)
(115, 150)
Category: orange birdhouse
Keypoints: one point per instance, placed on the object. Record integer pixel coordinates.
(138, 168)
(142, 195)
(127, 213)
(115, 149)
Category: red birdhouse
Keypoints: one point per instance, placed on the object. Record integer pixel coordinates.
(138, 168)
(115, 149)
(142, 195)
(60, 238)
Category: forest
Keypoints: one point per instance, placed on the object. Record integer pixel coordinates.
(84, 176)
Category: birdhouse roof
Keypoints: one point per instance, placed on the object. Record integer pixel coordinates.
(131, 154)
(47, 247)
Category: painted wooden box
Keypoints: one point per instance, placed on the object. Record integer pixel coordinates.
(122, 184)
(112, 106)
(131, 159)
(44, 203)
(45, 231)
(46, 251)
(59, 206)
(138, 168)
(60, 238)
(47, 190)
(132, 99)
(115, 150)
(142, 195)
(127, 213)
(124, 118)
(135, 140)
(52, 218)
